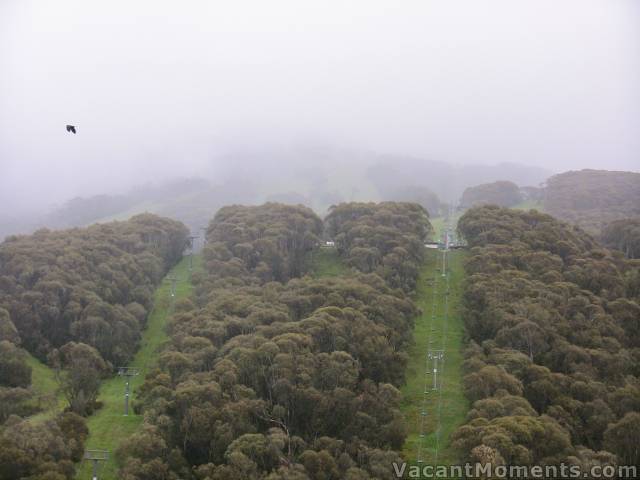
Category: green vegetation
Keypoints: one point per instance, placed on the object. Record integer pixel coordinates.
(46, 389)
(270, 242)
(279, 359)
(439, 225)
(326, 262)
(79, 299)
(92, 285)
(529, 205)
(386, 238)
(623, 235)
(271, 372)
(415, 194)
(454, 403)
(551, 366)
(502, 193)
(108, 427)
(593, 198)
(43, 378)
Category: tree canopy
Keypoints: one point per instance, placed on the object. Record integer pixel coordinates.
(271, 373)
(78, 299)
(502, 193)
(623, 235)
(552, 363)
(386, 238)
(593, 198)
(92, 285)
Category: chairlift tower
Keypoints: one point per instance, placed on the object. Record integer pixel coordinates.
(435, 356)
(96, 456)
(127, 373)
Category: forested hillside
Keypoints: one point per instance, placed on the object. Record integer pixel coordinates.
(91, 285)
(77, 299)
(292, 379)
(552, 366)
(501, 193)
(386, 238)
(270, 242)
(593, 198)
(623, 235)
(419, 194)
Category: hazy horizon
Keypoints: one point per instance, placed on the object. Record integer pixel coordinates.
(160, 92)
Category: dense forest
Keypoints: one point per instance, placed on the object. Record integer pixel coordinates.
(423, 196)
(394, 173)
(78, 300)
(269, 242)
(593, 198)
(387, 238)
(91, 285)
(552, 363)
(623, 235)
(271, 373)
(502, 193)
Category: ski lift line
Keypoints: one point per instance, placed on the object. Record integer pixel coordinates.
(439, 382)
(444, 344)
(425, 391)
(439, 402)
(440, 387)
(431, 356)
(144, 369)
(423, 410)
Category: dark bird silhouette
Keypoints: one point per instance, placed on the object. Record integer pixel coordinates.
(71, 128)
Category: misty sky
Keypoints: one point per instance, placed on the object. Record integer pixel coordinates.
(160, 89)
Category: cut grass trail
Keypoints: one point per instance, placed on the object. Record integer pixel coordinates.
(529, 205)
(45, 385)
(108, 427)
(327, 263)
(454, 404)
(439, 225)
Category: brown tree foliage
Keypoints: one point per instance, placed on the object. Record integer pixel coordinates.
(386, 238)
(502, 193)
(623, 235)
(83, 284)
(593, 198)
(553, 321)
(288, 379)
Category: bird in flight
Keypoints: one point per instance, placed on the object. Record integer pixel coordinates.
(71, 128)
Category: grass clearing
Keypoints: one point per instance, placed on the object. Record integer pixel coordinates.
(45, 386)
(529, 205)
(454, 403)
(439, 225)
(327, 263)
(108, 427)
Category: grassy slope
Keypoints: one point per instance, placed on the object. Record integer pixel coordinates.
(146, 206)
(109, 427)
(43, 382)
(454, 403)
(455, 406)
(529, 205)
(326, 263)
(43, 378)
(439, 225)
